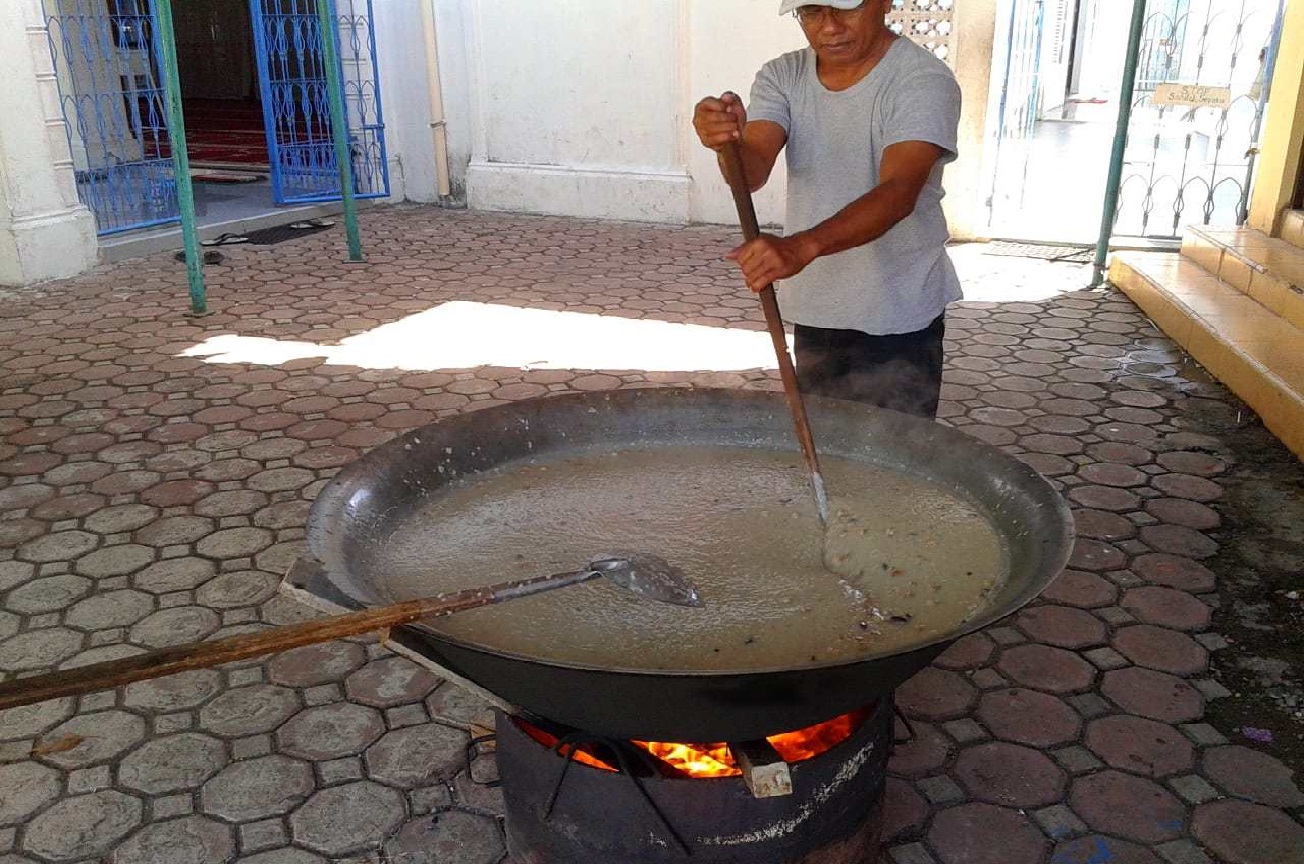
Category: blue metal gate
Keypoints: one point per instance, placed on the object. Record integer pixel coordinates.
(105, 60)
(296, 104)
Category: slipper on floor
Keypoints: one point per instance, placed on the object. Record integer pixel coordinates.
(312, 223)
(209, 257)
(225, 240)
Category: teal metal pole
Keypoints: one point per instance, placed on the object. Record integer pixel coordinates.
(181, 157)
(1126, 93)
(339, 122)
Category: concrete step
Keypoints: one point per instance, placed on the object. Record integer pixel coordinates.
(1268, 269)
(1256, 352)
(1292, 228)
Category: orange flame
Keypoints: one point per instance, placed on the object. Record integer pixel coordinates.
(716, 760)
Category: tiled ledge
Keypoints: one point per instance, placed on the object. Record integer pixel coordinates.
(1267, 269)
(1254, 350)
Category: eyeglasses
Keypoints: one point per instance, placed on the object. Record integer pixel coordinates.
(815, 14)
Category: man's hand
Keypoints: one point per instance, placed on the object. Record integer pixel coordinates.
(719, 121)
(767, 259)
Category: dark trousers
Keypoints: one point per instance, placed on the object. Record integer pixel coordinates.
(902, 371)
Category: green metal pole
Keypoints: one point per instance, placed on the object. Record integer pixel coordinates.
(1126, 94)
(181, 157)
(339, 122)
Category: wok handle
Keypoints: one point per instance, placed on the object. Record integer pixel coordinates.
(203, 655)
(732, 162)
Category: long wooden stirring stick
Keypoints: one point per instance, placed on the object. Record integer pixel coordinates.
(736, 175)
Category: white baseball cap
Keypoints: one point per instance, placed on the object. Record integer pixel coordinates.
(794, 5)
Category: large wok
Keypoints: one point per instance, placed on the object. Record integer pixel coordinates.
(359, 508)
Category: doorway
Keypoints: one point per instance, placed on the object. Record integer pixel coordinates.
(1196, 110)
(253, 77)
(218, 66)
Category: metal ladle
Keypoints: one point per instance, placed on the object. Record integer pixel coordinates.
(647, 576)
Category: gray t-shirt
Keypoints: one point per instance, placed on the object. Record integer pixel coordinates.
(903, 280)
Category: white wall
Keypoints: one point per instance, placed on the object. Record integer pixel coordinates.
(44, 232)
(583, 107)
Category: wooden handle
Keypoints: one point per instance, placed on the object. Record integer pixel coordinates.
(735, 174)
(203, 655)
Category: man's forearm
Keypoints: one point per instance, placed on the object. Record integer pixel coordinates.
(862, 221)
(756, 166)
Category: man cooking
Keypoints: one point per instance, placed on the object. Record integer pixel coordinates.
(867, 120)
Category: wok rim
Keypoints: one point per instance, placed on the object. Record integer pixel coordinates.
(1058, 551)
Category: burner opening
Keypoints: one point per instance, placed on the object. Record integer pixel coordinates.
(698, 761)
(805, 797)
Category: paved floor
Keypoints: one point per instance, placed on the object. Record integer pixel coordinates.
(155, 473)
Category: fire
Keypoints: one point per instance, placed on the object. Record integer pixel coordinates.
(715, 760)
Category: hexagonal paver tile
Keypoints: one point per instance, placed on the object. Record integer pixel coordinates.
(60, 546)
(458, 706)
(971, 652)
(985, 834)
(1126, 806)
(464, 838)
(418, 755)
(120, 519)
(115, 561)
(37, 649)
(1010, 775)
(349, 818)
(1166, 607)
(1062, 626)
(114, 609)
(1042, 667)
(51, 594)
(102, 738)
(172, 763)
(288, 855)
(26, 787)
(1252, 775)
(1096, 556)
(177, 692)
(904, 811)
(1140, 746)
(175, 626)
(190, 840)
(934, 694)
(920, 754)
(1029, 717)
(1103, 525)
(233, 590)
(1084, 590)
(249, 710)
(312, 665)
(1242, 833)
(257, 789)
(8, 624)
(15, 573)
(390, 681)
(82, 827)
(32, 720)
(1174, 572)
(1152, 694)
(330, 731)
(1162, 649)
(175, 574)
(1187, 486)
(235, 543)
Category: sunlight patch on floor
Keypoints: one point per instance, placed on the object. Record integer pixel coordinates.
(464, 335)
